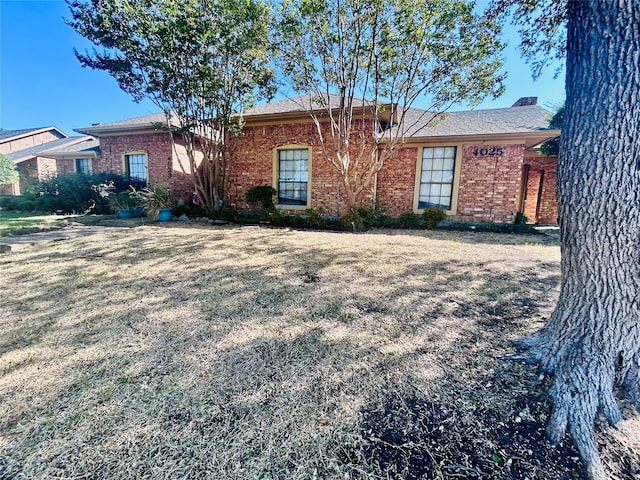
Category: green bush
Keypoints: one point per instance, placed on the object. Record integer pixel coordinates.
(274, 216)
(22, 204)
(261, 195)
(75, 193)
(227, 214)
(315, 217)
(432, 216)
(374, 216)
(408, 220)
(521, 219)
(352, 221)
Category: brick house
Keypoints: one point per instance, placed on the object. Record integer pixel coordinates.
(480, 165)
(142, 150)
(31, 149)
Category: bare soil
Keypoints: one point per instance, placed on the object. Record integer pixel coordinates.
(256, 353)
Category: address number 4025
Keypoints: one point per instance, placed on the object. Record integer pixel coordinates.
(483, 152)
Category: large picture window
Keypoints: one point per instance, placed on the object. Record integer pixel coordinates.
(136, 168)
(293, 176)
(436, 177)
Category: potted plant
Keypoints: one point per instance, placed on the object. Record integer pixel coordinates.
(156, 201)
(123, 204)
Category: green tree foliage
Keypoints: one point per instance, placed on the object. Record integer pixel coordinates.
(8, 172)
(201, 61)
(364, 63)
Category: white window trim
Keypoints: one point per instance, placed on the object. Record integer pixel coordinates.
(276, 167)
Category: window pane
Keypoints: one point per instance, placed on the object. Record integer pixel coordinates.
(83, 166)
(436, 177)
(136, 166)
(293, 176)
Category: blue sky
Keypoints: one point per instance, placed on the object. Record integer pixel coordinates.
(43, 84)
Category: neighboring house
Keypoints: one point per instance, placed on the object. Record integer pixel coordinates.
(141, 149)
(480, 165)
(30, 150)
(75, 156)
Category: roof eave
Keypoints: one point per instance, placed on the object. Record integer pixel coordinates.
(98, 130)
(34, 132)
(529, 139)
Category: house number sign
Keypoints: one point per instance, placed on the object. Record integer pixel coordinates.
(483, 152)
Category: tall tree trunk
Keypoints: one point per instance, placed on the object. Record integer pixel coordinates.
(591, 343)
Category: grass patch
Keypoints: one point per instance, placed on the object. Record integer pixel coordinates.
(16, 223)
(227, 352)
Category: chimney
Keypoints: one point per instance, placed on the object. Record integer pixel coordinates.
(524, 101)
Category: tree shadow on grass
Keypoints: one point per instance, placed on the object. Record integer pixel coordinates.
(252, 354)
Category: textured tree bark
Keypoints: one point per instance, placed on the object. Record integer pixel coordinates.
(591, 343)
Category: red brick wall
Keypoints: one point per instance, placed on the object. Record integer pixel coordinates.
(546, 205)
(65, 166)
(253, 165)
(489, 184)
(396, 181)
(163, 170)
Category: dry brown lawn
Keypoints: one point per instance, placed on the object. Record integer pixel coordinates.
(254, 353)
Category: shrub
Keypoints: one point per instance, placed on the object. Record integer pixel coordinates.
(274, 216)
(432, 216)
(408, 220)
(228, 214)
(22, 204)
(153, 199)
(521, 219)
(315, 217)
(262, 195)
(352, 220)
(121, 201)
(75, 193)
(374, 215)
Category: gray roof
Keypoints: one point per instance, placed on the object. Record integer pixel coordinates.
(529, 118)
(422, 123)
(299, 104)
(37, 150)
(8, 134)
(144, 121)
(85, 145)
(525, 118)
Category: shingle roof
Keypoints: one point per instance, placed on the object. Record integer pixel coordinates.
(302, 103)
(516, 119)
(7, 134)
(529, 118)
(144, 121)
(37, 150)
(14, 133)
(84, 144)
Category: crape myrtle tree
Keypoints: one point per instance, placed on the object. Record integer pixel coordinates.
(200, 61)
(362, 64)
(591, 342)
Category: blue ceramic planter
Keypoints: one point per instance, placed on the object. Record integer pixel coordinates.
(125, 213)
(164, 215)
